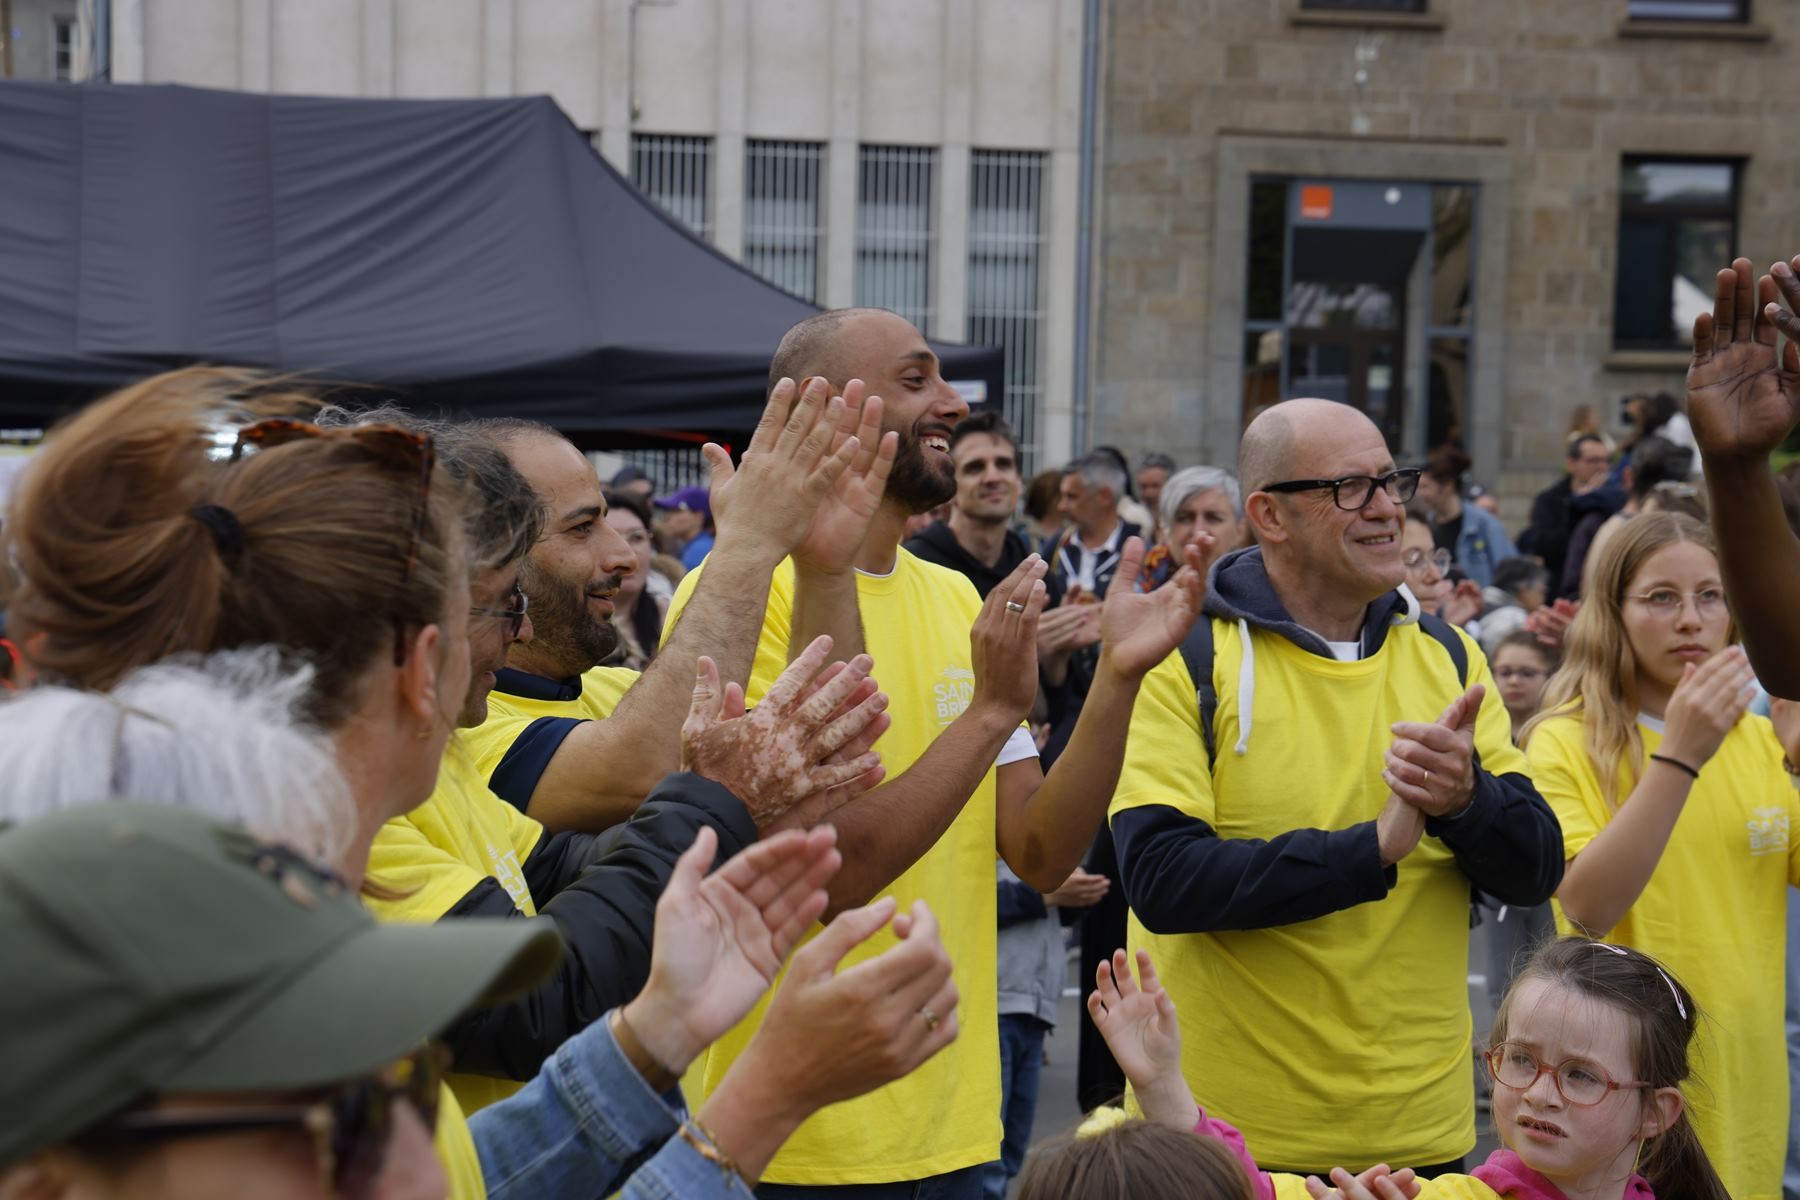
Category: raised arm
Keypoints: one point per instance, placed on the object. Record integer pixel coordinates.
(885, 831)
(1743, 399)
(602, 770)
(1045, 825)
(825, 560)
(1606, 878)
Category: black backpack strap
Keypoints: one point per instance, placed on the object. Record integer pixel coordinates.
(1197, 653)
(1446, 637)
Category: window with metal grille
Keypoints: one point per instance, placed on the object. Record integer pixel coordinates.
(782, 225)
(894, 231)
(676, 172)
(1677, 227)
(1006, 288)
(1688, 10)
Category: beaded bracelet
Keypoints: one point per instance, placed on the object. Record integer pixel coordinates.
(707, 1146)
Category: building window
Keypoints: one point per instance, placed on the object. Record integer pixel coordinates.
(1688, 10)
(676, 172)
(1362, 291)
(1677, 227)
(1006, 291)
(63, 48)
(894, 232)
(782, 225)
(1384, 6)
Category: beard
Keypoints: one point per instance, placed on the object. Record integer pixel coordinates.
(915, 484)
(563, 629)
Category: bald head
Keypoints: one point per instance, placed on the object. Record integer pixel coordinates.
(1299, 439)
(815, 346)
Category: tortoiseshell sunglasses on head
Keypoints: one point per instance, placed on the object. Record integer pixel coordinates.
(414, 453)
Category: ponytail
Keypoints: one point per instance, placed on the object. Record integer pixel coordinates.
(138, 535)
(1675, 1164)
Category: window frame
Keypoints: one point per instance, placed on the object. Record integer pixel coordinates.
(1385, 7)
(1671, 216)
(58, 24)
(1742, 18)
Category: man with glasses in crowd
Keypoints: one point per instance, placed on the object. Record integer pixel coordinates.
(1312, 785)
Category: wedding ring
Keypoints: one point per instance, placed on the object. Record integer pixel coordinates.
(1014, 606)
(931, 1018)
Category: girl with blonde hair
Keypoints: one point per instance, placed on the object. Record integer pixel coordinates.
(1676, 812)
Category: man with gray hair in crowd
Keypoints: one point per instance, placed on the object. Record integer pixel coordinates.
(1086, 553)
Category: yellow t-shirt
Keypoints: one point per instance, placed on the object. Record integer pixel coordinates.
(456, 1150)
(436, 854)
(511, 714)
(1715, 912)
(1330, 1040)
(946, 1115)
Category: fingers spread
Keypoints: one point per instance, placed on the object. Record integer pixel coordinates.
(799, 673)
(774, 416)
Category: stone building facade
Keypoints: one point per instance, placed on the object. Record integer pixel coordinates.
(1510, 149)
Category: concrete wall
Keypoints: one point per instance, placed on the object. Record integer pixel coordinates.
(954, 74)
(1543, 95)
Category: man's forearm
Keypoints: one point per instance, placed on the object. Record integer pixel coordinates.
(604, 769)
(1760, 558)
(1044, 838)
(825, 603)
(885, 831)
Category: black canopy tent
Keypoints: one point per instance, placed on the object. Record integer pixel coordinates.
(470, 255)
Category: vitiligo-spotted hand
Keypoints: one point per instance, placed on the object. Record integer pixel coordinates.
(792, 745)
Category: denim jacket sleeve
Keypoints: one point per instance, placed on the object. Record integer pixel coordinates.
(584, 1123)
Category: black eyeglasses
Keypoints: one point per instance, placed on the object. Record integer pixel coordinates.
(514, 612)
(350, 1128)
(1353, 492)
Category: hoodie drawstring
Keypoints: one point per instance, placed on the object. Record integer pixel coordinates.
(1246, 688)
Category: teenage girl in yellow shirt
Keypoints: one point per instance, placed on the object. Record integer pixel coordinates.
(1676, 814)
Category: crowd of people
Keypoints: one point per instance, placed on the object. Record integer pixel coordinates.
(392, 810)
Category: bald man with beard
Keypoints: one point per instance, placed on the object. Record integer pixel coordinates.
(964, 785)
(1300, 865)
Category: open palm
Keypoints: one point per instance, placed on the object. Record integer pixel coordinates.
(1138, 630)
(1743, 395)
(1139, 1024)
(721, 938)
(842, 521)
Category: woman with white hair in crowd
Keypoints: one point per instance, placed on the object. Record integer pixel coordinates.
(1194, 501)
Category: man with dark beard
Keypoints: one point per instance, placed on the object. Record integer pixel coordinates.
(576, 746)
(961, 675)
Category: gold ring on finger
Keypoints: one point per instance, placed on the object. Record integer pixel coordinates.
(931, 1018)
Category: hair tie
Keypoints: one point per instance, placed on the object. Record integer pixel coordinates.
(227, 534)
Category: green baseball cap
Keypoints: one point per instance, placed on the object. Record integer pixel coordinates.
(146, 950)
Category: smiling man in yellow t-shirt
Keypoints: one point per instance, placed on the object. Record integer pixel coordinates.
(1304, 889)
(964, 783)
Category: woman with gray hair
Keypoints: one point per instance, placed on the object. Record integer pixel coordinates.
(1201, 505)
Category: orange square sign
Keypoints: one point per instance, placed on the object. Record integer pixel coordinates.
(1315, 201)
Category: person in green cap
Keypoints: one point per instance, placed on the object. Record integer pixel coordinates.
(191, 1012)
(220, 734)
